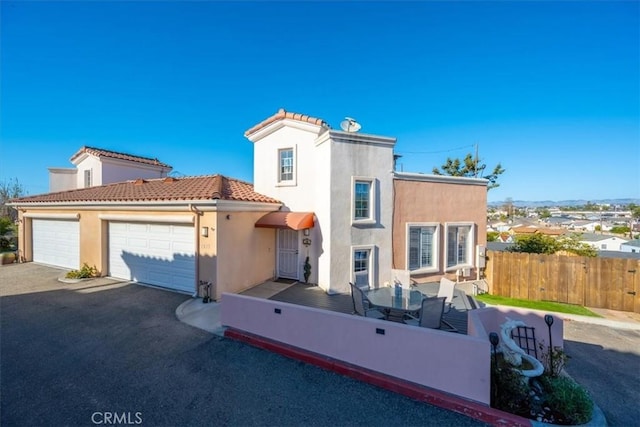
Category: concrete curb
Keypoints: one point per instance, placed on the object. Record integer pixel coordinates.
(195, 313)
(433, 397)
(617, 324)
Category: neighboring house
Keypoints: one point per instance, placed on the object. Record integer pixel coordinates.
(535, 230)
(558, 221)
(95, 166)
(632, 246)
(322, 199)
(168, 232)
(602, 242)
(585, 225)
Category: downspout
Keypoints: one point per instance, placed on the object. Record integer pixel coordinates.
(21, 236)
(196, 221)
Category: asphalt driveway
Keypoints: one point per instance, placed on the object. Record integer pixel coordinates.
(102, 352)
(606, 361)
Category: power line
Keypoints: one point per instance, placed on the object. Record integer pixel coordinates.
(437, 152)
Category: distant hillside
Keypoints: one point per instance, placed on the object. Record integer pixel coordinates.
(541, 203)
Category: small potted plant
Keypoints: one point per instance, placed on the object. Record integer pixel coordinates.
(307, 270)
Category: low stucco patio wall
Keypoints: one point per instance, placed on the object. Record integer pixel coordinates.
(454, 363)
(485, 320)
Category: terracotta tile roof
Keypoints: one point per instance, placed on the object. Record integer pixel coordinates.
(207, 187)
(99, 152)
(282, 114)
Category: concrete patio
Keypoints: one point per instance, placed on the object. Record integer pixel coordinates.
(312, 296)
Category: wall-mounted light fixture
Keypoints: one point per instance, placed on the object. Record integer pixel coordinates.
(228, 216)
(305, 231)
(204, 231)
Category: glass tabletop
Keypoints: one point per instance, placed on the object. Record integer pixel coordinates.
(410, 300)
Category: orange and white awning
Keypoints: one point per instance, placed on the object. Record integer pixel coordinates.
(291, 220)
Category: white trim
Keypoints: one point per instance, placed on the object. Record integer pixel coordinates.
(407, 176)
(436, 247)
(470, 245)
(373, 187)
(38, 215)
(372, 263)
(173, 219)
(279, 124)
(294, 176)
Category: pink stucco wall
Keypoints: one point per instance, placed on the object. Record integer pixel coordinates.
(436, 202)
(489, 319)
(454, 363)
(450, 362)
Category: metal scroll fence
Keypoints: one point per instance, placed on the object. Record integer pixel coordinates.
(611, 283)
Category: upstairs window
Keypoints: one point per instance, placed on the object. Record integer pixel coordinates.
(459, 245)
(87, 178)
(363, 204)
(363, 200)
(285, 161)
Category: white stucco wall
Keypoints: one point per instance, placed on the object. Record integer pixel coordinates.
(360, 156)
(62, 179)
(612, 244)
(89, 163)
(628, 247)
(117, 171)
(325, 163)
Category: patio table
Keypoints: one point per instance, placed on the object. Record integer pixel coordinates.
(394, 306)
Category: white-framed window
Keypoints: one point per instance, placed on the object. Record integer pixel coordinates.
(87, 178)
(423, 247)
(286, 165)
(363, 205)
(362, 265)
(459, 245)
(603, 246)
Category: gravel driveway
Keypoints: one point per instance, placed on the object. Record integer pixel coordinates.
(99, 351)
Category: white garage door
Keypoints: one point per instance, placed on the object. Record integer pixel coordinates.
(156, 254)
(56, 242)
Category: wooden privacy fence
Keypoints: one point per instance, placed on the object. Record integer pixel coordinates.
(611, 283)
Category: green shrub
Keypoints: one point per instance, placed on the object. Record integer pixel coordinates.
(84, 273)
(552, 367)
(568, 398)
(511, 393)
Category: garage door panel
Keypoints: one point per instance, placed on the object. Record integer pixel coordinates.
(160, 245)
(157, 254)
(56, 242)
(160, 229)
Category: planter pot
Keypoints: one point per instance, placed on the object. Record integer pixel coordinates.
(8, 258)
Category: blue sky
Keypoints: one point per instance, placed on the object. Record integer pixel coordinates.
(549, 89)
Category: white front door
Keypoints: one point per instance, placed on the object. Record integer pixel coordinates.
(287, 253)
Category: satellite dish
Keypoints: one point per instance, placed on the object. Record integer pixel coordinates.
(350, 125)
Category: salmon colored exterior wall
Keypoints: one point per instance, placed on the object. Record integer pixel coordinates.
(436, 202)
(246, 255)
(234, 256)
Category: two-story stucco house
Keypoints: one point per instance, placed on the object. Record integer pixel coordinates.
(370, 218)
(321, 198)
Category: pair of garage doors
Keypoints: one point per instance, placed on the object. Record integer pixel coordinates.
(157, 254)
